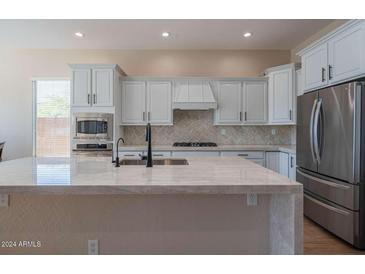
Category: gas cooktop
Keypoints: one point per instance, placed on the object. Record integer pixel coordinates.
(194, 144)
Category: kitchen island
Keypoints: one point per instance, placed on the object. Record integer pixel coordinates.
(213, 205)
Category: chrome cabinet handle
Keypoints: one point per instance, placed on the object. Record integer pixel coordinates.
(291, 162)
(311, 129)
(241, 116)
(94, 98)
(290, 114)
(330, 72)
(323, 74)
(244, 155)
(88, 98)
(245, 115)
(315, 130)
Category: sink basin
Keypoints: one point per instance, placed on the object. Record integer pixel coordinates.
(157, 162)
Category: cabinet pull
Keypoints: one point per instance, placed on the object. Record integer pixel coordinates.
(291, 162)
(157, 154)
(323, 74)
(94, 98)
(88, 98)
(241, 116)
(290, 114)
(242, 155)
(329, 72)
(245, 115)
(129, 155)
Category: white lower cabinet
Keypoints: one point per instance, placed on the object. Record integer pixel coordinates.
(278, 162)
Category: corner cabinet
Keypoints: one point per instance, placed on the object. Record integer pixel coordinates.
(94, 85)
(241, 102)
(335, 58)
(281, 94)
(146, 102)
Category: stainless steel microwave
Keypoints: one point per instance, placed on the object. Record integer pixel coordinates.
(88, 125)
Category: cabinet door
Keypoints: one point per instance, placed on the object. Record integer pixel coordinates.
(284, 164)
(255, 102)
(314, 68)
(346, 54)
(229, 103)
(281, 96)
(134, 103)
(159, 109)
(273, 160)
(102, 87)
(81, 87)
(292, 166)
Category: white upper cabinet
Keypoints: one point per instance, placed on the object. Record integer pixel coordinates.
(94, 85)
(146, 101)
(81, 87)
(102, 87)
(134, 103)
(314, 67)
(281, 95)
(159, 96)
(229, 96)
(346, 54)
(337, 57)
(254, 102)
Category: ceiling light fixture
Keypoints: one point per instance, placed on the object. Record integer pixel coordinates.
(165, 34)
(247, 34)
(79, 34)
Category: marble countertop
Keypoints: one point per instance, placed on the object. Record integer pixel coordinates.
(97, 175)
(282, 148)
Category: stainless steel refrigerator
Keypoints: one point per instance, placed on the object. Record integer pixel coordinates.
(331, 159)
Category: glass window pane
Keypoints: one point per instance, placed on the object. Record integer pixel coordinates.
(53, 118)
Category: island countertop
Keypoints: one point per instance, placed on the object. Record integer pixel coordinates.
(97, 175)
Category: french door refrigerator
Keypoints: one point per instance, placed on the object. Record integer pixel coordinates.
(331, 159)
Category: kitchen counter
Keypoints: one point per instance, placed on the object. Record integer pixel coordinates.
(97, 175)
(214, 205)
(282, 148)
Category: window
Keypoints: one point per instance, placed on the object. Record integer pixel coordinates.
(51, 118)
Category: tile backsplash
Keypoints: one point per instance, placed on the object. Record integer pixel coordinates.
(197, 126)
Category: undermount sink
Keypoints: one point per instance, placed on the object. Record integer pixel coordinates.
(157, 162)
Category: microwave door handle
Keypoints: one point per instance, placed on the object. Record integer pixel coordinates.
(315, 130)
(311, 129)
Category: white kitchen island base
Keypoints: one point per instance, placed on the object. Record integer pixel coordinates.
(197, 209)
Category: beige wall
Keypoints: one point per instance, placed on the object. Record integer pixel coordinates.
(19, 66)
(335, 24)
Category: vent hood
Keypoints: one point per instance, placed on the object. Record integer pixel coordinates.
(193, 95)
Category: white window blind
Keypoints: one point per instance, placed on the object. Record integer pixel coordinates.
(52, 118)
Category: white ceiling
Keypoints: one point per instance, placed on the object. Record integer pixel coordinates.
(146, 34)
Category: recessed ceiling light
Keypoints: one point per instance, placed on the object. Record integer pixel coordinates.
(79, 34)
(247, 34)
(165, 34)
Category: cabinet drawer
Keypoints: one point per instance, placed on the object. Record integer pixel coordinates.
(245, 154)
(336, 219)
(338, 192)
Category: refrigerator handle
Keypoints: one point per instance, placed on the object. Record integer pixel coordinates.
(311, 129)
(315, 130)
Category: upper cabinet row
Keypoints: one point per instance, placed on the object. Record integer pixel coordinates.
(94, 85)
(338, 57)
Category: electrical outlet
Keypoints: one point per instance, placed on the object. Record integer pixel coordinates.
(251, 199)
(93, 247)
(223, 131)
(4, 200)
(273, 131)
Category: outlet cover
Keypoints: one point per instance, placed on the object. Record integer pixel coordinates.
(273, 131)
(4, 200)
(252, 199)
(93, 247)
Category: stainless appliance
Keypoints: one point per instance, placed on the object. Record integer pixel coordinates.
(331, 159)
(194, 144)
(96, 126)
